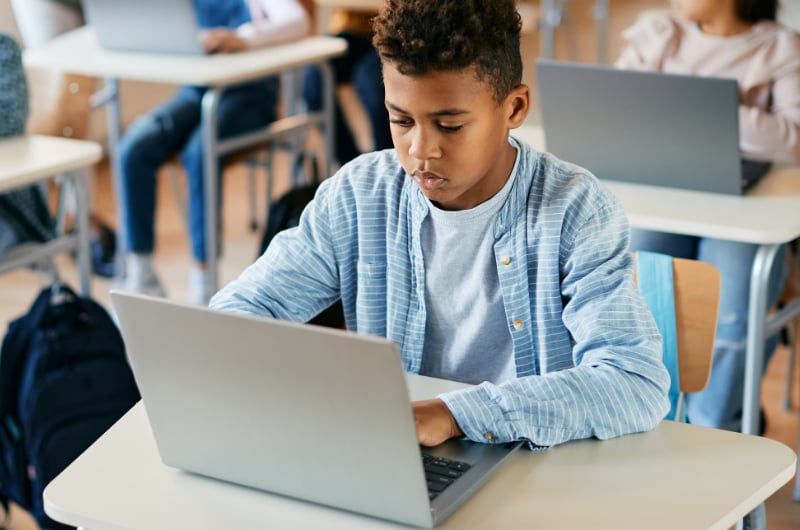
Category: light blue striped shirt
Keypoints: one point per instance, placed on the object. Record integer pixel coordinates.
(586, 349)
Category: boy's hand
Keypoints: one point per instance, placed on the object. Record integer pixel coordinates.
(435, 423)
(221, 40)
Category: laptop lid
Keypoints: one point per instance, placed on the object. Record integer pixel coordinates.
(309, 412)
(165, 26)
(645, 127)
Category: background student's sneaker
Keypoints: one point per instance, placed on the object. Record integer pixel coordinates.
(200, 291)
(103, 247)
(141, 276)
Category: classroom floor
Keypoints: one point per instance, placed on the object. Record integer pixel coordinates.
(18, 289)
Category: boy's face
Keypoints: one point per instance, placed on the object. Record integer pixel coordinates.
(450, 134)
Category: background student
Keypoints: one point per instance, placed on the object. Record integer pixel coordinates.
(736, 39)
(361, 67)
(486, 261)
(233, 26)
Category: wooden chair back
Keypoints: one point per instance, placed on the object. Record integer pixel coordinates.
(697, 290)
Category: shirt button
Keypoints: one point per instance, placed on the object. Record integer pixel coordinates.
(490, 436)
(505, 260)
(518, 325)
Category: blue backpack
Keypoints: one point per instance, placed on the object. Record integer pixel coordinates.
(64, 380)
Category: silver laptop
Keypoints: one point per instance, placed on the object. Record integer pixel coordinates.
(166, 26)
(650, 128)
(308, 412)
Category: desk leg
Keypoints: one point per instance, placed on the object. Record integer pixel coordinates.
(210, 154)
(549, 20)
(110, 97)
(80, 185)
(601, 12)
(756, 319)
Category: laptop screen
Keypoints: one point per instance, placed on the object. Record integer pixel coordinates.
(643, 127)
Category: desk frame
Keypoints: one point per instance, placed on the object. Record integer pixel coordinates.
(68, 158)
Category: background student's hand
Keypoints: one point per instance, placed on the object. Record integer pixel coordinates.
(221, 40)
(435, 423)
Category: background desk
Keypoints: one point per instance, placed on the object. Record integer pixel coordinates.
(77, 52)
(27, 160)
(767, 216)
(676, 476)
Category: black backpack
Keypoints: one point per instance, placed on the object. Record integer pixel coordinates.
(285, 213)
(64, 380)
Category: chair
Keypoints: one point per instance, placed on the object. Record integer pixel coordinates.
(261, 156)
(696, 296)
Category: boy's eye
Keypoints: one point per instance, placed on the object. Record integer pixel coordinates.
(450, 128)
(402, 122)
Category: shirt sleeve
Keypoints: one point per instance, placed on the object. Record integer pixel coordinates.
(646, 43)
(274, 22)
(296, 277)
(617, 383)
(774, 134)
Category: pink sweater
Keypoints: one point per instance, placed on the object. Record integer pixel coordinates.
(765, 60)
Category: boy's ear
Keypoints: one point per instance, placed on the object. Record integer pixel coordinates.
(518, 104)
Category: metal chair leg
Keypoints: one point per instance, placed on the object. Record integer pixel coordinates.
(787, 396)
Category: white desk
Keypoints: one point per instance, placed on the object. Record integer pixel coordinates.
(676, 476)
(78, 52)
(26, 160)
(767, 216)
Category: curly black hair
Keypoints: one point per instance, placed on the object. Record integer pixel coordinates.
(422, 36)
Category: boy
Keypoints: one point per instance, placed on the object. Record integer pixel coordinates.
(487, 262)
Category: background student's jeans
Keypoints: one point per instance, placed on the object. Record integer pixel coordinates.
(175, 127)
(361, 66)
(720, 404)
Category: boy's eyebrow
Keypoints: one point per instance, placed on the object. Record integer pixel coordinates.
(443, 112)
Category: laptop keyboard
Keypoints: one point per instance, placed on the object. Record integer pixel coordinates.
(441, 472)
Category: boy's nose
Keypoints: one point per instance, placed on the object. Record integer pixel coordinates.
(424, 146)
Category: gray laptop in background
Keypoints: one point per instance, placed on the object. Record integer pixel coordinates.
(163, 26)
(645, 127)
(308, 412)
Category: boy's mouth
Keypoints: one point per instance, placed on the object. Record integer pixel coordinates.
(428, 181)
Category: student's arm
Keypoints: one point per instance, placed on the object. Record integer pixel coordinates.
(774, 134)
(274, 22)
(645, 43)
(434, 422)
(296, 278)
(618, 383)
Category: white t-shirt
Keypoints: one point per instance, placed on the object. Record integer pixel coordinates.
(467, 336)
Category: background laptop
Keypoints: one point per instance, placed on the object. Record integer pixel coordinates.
(314, 413)
(645, 127)
(166, 26)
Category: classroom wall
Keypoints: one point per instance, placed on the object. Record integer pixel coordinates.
(790, 13)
